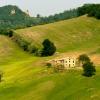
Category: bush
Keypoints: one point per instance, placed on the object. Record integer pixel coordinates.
(21, 42)
(48, 48)
(49, 65)
(89, 69)
(10, 33)
(24, 44)
(1, 75)
(83, 58)
(32, 48)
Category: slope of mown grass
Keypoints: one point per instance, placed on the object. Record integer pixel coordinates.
(81, 33)
(10, 52)
(26, 78)
(24, 81)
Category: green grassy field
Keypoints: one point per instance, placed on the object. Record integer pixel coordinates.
(26, 77)
(77, 34)
(24, 81)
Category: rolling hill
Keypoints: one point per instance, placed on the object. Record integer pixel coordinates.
(12, 17)
(80, 33)
(27, 78)
(10, 52)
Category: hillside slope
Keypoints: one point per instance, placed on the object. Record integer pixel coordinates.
(11, 17)
(77, 34)
(27, 78)
(10, 52)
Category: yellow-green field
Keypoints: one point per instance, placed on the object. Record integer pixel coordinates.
(26, 78)
(82, 33)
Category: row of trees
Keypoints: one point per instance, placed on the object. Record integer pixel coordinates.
(21, 20)
(6, 32)
(48, 47)
(93, 10)
(57, 17)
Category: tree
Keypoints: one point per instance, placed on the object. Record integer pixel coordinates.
(38, 16)
(49, 65)
(48, 48)
(89, 69)
(83, 59)
(32, 48)
(10, 33)
(1, 75)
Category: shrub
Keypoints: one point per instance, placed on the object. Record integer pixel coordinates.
(48, 48)
(32, 48)
(1, 75)
(10, 33)
(83, 58)
(49, 65)
(21, 42)
(89, 69)
(24, 44)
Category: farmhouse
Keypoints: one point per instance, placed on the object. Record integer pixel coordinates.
(68, 62)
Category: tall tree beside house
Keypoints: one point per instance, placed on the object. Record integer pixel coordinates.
(88, 66)
(83, 59)
(89, 69)
(48, 48)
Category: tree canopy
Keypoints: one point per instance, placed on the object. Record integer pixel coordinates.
(48, 48)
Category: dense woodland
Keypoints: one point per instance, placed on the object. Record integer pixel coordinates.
(93, 10)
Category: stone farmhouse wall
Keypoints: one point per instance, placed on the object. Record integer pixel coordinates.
(68, 62)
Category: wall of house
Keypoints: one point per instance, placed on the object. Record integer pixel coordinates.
(67, 62)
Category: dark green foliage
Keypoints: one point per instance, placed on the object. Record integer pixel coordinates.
(1, 75)
(7, 32)
(93, 10)
(97, 15)
(89, 69)
(83, 58)
(14, 21)
(21, 42)
(25, 45)
(10, 33)
(21, 20)
(49, 65)
(48, 48)
(38, 16)
(57, 17)
(32, 48)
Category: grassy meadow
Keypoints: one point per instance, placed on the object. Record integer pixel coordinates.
(25, 77)
(77, 34)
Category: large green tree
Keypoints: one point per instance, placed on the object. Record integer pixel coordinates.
(48, 48)
(83, 58)
(89, 69)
